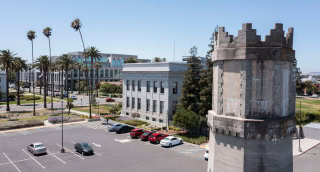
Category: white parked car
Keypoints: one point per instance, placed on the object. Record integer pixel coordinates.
(74, 97)
(314, 96)
(206, 154)
(171, 141)
(37, 148)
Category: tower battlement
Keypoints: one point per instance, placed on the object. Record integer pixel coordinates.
(247, 37)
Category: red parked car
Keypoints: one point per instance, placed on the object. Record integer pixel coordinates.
(157, 137)
(135, 133)
(145, 135)
(109, 100)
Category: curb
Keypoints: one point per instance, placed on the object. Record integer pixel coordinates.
(307, 150)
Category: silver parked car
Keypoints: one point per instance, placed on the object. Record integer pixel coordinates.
(37, 148)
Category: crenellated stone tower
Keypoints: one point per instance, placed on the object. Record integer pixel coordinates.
(252, 120)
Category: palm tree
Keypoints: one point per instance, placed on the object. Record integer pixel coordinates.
(29, 76)
(76, 25)
(92, 53)
(78, 66)
(18, 64)
(158, 59)
(47, 32)
(66, 62)
(31, 36)
(43, 64)
(97, 66)
(85, 68)
(6, 58)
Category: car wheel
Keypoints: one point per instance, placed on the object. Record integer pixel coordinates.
(170, 145)
(82, 153)
(181, 142)
(157, 141)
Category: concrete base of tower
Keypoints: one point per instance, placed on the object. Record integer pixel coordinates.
(236, 154)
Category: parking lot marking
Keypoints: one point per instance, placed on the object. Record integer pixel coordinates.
(56, 157)
(96, 145)
(11, 162)
(71, 152)
(122, 141)
(33, 159)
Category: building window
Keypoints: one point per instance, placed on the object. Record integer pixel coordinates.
(81, 73)
(133, 102)
(139, 103)
(147, 118)
(154, 86)
(128, 84)
(148, 86)
(133, 85)
(139, 85)
(153, 119)
(154, 106)
(96, 71)
(128, 102)
(111, 73)
(127, 113)
(174, 107)
(106, 71)
(161, 87)
(161, 120)
(148, 104)
(101, 73)
(116, 73)
(161, 106)
(175, 87)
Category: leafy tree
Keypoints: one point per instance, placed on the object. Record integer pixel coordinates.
(43, 64)
(309, 87)
(191, 85)
(69, 105)
(135, 115)
(158, 59)
(300, 86)
(107, 88)
(131, 60)
(186, 119)
(6, 58)
(116, 109)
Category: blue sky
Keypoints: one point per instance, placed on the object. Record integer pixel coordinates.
(148, 28)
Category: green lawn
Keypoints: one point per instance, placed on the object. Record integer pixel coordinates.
(308, 105)
(103, 109)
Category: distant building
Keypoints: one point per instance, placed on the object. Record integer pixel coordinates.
(203, 60)
(309, 78)
(3, 85)
(152, 90)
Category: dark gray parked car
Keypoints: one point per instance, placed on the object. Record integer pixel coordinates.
(114, 127)
(84, 148)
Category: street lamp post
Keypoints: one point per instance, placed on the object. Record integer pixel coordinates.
(300, 129)
(62, 149)
(98, 108)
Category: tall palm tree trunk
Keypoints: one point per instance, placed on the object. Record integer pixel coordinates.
(90, 97)
(7, 83)
(18, 89)
(97, 81)
(62, 88)
(41, 81)
(67, 85)
(79, 80)
(33, 86)
(51, 75)
(72, 80)
(45, 90)
(29, 80)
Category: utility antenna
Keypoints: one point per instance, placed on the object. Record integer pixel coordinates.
(174, 50)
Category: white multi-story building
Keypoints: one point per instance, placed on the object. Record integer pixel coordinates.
(3, 79)
(152, 90)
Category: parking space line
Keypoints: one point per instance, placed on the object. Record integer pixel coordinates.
(97, 153)
(71, 152)
(11, 162)
(56, 157)
(33, 159)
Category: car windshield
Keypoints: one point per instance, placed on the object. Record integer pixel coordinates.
(166, 139)
(39, 146)
(85, 145)
(145, 134)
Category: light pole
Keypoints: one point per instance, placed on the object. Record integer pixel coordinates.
(62, 149)
(98, 108)
(300, 129)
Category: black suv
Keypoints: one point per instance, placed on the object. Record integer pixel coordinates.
(123, 129)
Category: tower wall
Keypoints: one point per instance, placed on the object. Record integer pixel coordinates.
(252, 119)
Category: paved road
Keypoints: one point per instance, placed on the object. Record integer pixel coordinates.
(82, 100)
(114, 152)
(308, 161)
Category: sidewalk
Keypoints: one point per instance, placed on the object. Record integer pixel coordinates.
(83, 113)
(305, 144)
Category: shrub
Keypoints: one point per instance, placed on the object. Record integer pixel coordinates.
(175, 128)
(57, 119)
(136, 122)
(193, 139)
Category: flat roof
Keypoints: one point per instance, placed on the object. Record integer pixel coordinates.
(154, 67)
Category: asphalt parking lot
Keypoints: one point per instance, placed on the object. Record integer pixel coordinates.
(113, 152)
